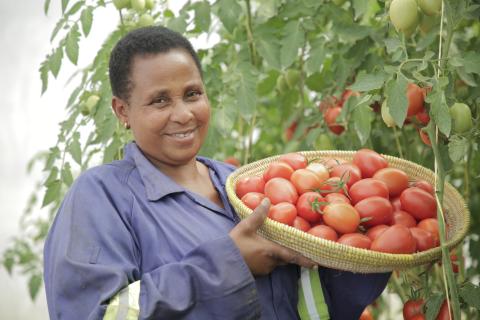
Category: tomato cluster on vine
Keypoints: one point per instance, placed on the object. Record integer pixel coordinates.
(364, 203)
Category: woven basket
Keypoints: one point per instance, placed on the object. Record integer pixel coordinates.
(338, 256)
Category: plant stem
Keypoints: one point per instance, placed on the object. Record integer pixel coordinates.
(251, 45)
(250, 139)
(397, 142)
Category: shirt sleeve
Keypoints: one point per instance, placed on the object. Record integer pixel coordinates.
(348, 294)
(91, 255)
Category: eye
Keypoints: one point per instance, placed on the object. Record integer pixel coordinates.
(159, 101)
(193, 94)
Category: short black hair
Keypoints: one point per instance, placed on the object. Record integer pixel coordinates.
(143, 41)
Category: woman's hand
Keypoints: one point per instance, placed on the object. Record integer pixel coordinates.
(261, 255)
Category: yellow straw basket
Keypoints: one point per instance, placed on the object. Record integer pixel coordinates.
(338, 256)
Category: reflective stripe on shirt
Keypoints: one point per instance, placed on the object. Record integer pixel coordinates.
(124, 305)
(311, 303)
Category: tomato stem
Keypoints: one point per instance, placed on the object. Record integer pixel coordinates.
(397, 142)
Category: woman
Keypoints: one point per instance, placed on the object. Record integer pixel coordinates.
(153, 235)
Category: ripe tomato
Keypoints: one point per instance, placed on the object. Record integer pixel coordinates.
(369, 162)
(430, 7)
(417, 317)
(455, 266)
(280, 190)
(320, 170)
(461, 118)
(403, 14)
(324, 232)
(295, 160)
(290, 131)
(377, 210)
(419, 203)
(416, 98)
(336, 197)
(423, 117)
(233, 161)
(395, 239)
(366, 188)
(327, 102)
(423, 238)
(348, 172)
(412, 308)
(443, 313)
(356, 240)
(283, 212)
(333, 185)
(396, 204)
(424, 137)
(422, 184)
(305, 180)
(278, 169)
(330, 116)
(249, 184)
(366, 315)
(346, 95)
(374, 232)
(330, 163)
(342, 217)
(253, 199)
(310, 205)
(301, 224)
(402, 217)
(431, 225)
(395, 179)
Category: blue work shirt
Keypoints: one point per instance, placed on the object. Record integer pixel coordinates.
(127, 221)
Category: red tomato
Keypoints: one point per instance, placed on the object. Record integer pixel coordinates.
(423, 117)
(333, 185)
(377, 210)
(324, 232)
(281, 190)
(290, 131)
(320, 170)
(374, 232)
(402, 217)
(253, 199)
(455, 266)
(283, 212)
(412, 308)
(346, 95)
(415, 99)
(310, 205)
(443, 313)
(396, 204)
(419, 203)
(423, 238)
(342, 217)
(422, 184)
(366, 188)
(356, 240)
(395, 239)
(330, 116)
(424, 137)
(395, 179)
(233, 161)
(348, 172)
(330, 163)
(336, 197)
(295, 160)
(305, 180)
(249, 184)
(278, 169)
(366, 315)
(431, 225)
(301, 224)
(417, 317)
(369, 162)
(327, 102)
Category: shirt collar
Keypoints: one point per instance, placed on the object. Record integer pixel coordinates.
(157, 184)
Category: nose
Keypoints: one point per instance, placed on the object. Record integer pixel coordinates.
(182, 112)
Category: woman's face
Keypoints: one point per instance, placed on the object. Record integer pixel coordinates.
(168, 110)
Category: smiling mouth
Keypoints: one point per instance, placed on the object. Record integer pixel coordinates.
(183, 134)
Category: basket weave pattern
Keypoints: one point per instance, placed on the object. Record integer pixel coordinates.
(338, 256)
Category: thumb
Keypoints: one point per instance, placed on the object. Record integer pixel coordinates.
(256, 219)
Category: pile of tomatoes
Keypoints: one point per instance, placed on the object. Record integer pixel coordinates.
(363, 203)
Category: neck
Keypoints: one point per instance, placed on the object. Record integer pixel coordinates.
(182, 174)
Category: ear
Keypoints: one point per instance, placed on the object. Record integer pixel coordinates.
(120, 108)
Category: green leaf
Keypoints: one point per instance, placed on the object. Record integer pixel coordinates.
(87, 18)
(46, 6)
(367, 82)
(178, 24)
(71, 46)
(224, 118)
(74, 148)
(202, 16)
(291, 43)
(228, 13)
(266, 85)
(44, 68)
(111, 152)
(9, 260)
(246, 86)
(362, 121)
(77, 6)
(57, 28)
(34, 284)
(270, 51)
(470, 293)
(67, 176)
(397, 102)
(55, 61)
(52, 176)
(315, 56)
(454, 11)
(457, 148)
(439, 110)
(53, 192)
(433, 305)
(53, 155)
(64, 5)
(470, 61)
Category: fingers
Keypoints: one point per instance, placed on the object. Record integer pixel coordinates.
(256, 219)
(285, 255)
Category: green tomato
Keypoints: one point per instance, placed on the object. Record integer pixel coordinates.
(430, 7)
(145, 20)
(281, 84)
(461, 89)
(149, 4)
(386, 116)
(461, 118)
(291, 77)
(89, 104)
(138, 5)
(323, 142)
(403, 14)
(120, 4)
(427, 23)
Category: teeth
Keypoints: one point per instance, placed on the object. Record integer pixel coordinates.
(182, 135)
